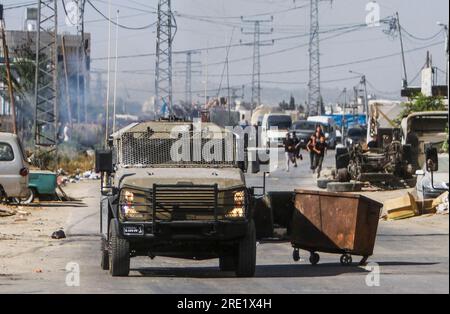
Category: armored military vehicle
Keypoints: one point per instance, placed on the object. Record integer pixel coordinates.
(172, 189)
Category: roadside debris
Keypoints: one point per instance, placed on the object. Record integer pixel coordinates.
(401, 208)
(57, 235)
(441, 204)
(408, 207)
(5, 212)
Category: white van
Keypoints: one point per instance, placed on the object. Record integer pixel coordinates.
(275, 127)
(13, 167)
(329, 129)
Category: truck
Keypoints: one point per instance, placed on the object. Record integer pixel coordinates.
(173, 189)
(422, 129)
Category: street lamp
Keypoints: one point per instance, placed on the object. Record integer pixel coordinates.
(445, 27)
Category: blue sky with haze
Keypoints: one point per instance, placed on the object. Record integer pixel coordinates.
(211, 23)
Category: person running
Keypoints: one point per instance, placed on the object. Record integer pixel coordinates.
(319, 150)
(298, 149)
(310, 148)
(289, 149)
(319, 130)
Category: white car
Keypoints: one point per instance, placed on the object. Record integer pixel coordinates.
(432, 185)
(275, 127)
(13, 168)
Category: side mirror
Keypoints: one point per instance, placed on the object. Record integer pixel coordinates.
(432, 159)
(104, 161)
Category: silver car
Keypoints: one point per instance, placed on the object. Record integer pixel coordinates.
(13, 167)
(432, 185)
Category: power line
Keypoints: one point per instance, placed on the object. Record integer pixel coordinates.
(348, 28)
(119, 25)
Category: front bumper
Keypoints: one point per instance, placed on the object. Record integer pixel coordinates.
(183, 230)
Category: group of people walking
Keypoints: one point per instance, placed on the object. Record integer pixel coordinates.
(316, 147)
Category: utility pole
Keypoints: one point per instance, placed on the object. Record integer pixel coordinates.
(445, 27)
(66, 80)
(116, 71)
(83, 47)
(314, 92)
(363, 85)
(9, 86)
(188, 75)
(405, 74)
(108, 86)
(257, 44)
(46, 76)
(163, 75)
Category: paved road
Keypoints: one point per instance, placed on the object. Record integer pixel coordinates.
(412, 256)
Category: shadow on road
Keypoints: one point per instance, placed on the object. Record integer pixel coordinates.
(263, 271)
(57, 205)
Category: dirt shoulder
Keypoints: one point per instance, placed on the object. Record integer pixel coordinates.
(25, 238)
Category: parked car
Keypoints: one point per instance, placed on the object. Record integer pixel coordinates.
(355, 135)
(13, 167)
(430, 184)
(303, 130)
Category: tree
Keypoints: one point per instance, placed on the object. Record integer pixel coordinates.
(292, 103)
(421, 103)
(23, 80)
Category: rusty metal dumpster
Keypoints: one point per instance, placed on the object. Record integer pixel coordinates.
(336, 223)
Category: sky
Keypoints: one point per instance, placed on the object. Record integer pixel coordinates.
(345, 44)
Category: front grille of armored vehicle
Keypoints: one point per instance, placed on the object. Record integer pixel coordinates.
(168, 203)
(175, 203)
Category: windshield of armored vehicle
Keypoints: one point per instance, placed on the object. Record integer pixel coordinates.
(162, 149)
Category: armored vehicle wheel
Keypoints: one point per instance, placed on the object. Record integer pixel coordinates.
(346, 260)
(105, 255)
(246, 259)
(227, 263)
(314, 259)
(119, 252)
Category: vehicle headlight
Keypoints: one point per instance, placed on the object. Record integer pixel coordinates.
(327, 135)
(135, 205)
(238, 209)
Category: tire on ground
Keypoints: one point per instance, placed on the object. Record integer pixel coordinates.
(119, 255)
(345, 187)
(104, 255)
(323, 183)
(246, 257)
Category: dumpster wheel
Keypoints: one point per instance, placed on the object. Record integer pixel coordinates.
(296, 255)
(346, 260)
(314, 258)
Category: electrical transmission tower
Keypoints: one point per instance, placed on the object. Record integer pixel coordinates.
(314, 93)
(163, 75)
(46, 79)
(188, 73)
(257, 31)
